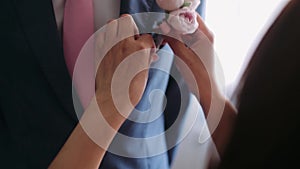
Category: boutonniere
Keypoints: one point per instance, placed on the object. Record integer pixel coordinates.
(181, 16)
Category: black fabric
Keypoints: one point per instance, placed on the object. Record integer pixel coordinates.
(36, 96)
(266, 134)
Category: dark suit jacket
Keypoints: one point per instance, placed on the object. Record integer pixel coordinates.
(36, 107)
(266, 134)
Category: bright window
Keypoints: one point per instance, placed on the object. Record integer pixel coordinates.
(238, 25)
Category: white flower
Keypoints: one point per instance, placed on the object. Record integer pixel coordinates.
(170, 5)
(183, 20)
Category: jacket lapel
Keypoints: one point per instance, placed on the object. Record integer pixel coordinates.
(38, 21)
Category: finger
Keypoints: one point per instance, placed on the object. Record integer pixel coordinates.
(100, 38)
(126, 27)
(147, 44)
(205, 29)
(110, 21)
(111, 31)
(154, 57)
(100, 46)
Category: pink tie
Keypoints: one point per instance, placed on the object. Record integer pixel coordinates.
(77, 28)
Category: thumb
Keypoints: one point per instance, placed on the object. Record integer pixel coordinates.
(203, 28)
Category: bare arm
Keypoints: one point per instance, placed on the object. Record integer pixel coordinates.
(204, 84)
(88, 142)
(78, 152)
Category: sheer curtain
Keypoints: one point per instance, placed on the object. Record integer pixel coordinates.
(238, 26)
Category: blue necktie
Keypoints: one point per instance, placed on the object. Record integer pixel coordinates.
(148, 119)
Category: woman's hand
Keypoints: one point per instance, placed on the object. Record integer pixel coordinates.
(195, 54)
(118, 46)
(123, 72)
(201, 64)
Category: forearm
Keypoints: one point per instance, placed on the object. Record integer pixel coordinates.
(196, 64)
(222, 133)
(221, 121)
(78, 152)
(88, 142)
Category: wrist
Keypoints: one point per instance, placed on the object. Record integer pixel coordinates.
(99, 125)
